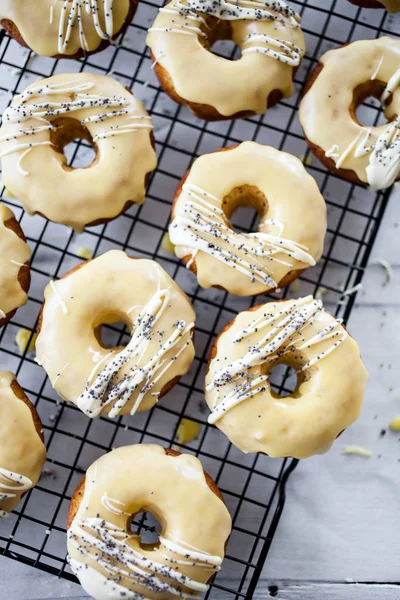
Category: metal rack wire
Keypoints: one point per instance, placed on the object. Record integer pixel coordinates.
(253, 486)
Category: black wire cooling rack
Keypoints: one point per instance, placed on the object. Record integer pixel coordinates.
(253, 486)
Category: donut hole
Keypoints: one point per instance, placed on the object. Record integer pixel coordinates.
(367, 109)
(284, 380)
(219, 39)
(146, 525)
(285, 375)
(226, 49)
(113, 331)
(244, 207)
(74, 141)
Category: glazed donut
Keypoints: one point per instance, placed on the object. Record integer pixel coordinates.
(111, 562)
(267, 32)
(292, 227)
(51, 113)
(330, 385)
(391, 6)
(360, 154)
(22, 451)
(15, 275)
(120, 380)
(66, 28)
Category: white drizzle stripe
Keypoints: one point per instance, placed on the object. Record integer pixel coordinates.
(392, 84)
(142, 377)
(119, 559)
(12, 484)
(283, 337)
(71, 17)
(205, 227)
(113, 506)
(232, 10)
(24, 108)
(375, 73)
(97, 585)
(288, 52)
(384, 161)
(63, 305)
(188, 552)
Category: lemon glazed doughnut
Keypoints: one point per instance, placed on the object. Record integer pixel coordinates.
(51, 113)
(110, 289)
(330, 385)
(66, 28)
(292, 227)
(22, 452)
(360, 154)
(272, 44)
(391, 6)
(15, 275)
(111, 562)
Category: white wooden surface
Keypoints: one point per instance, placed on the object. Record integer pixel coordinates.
(339, 537)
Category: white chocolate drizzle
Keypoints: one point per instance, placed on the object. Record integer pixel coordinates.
(119, 559)
(234, 10)
(113, 506)
(205, 227)
(104, 109)
(375, 73)
(71, 17)
(284, 336)
(282, 50)
(11, 485)
(104, 390)
(384, 160)
(392, 84)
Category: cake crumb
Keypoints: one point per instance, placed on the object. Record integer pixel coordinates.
(25, 340)
(356, 450)
(352, 290)
(387, 266)
(395, 423)
(85, 253)
(188, 431)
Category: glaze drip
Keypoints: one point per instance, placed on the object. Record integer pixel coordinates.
(14, 253)
(24, 108)
(12, 485)
(110, 547)
(204, 227)
(102, 389)
(285, 336)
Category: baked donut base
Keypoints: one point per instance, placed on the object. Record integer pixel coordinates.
(367, 3)
(13, 31)
(214, 349)
(24, 274)
(168, 386)
(78, 494)
(205, 111)
(63, 136)
(358, 98)
(291, 276)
